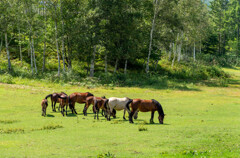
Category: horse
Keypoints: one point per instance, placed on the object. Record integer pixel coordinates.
(63, 99)
(79, 98)
(55, 99)
(44, 105)
(89, 101)
(145, 106)
(100, 103)
(118, 104)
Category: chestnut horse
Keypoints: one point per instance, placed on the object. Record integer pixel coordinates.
(79, 98)
(89, 101)
(55, 99)
(44, 105)
(145, 106)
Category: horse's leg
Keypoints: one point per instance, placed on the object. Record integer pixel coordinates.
(103, 112)
(66, 108)
(114, 113)
(130, 117)
(124, 114)
(135, 115)
(152, 116)
(74, 108)
(54, 106)
(97, 113)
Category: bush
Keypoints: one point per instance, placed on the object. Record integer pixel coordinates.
(6, 78)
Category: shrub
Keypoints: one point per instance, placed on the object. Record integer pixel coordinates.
(6, 78)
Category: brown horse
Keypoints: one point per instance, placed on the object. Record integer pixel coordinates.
(100, 103)
(145, 106)
(79, 98)
(44, 105)
(55, 99)
(63, 100)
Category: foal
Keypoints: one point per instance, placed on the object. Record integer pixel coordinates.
(63, 99)
(44, 105)
(145, 106)
(89, 101)
(79, 98)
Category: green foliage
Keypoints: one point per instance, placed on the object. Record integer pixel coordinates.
(6, 78)
(142, 128)
(11, 130)
(106, 155)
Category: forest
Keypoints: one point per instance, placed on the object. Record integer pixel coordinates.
(176, 38)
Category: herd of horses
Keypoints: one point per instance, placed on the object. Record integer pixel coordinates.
(108, 106)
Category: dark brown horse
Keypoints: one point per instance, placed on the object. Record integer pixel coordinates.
(100, 103)
(44, 105)
(63, 99)
(146, 106)
(79, 98)
(55, 99)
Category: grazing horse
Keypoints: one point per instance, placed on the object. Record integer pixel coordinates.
(119, 104)
(145, 106)
(55, 99)
(79, 98)
(89, 101)
(44, 105)
(100, 103)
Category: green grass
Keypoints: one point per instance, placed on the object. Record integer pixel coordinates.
(201, 121)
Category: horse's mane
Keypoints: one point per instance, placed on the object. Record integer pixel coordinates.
(159, 107)
(90, 94)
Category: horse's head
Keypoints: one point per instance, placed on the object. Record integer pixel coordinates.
(161, 118)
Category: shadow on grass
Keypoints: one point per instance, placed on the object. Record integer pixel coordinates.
(49, 115)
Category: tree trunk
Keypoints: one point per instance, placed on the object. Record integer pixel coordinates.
(116, 64)
(194, 52)
(92, 62)
(30, 43)
(8, 53)
(174, 53)
(69, 55)
(1, 44)
(170, 52)
(57, 46)
(34, 58)
(105, 58)
(151, 35)
(20, 46)
(63, 57)
(179, 51)
(125, 67)
(44, 48)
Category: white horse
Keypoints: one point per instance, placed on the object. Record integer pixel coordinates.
(119, 104)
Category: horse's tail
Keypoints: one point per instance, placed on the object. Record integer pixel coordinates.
(50, 95)
(95, 105)
(105, 104)
(159, 107)
(127, 105)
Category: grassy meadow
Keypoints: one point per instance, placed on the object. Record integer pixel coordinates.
(201, 121)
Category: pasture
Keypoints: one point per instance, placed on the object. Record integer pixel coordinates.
(201, 121)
